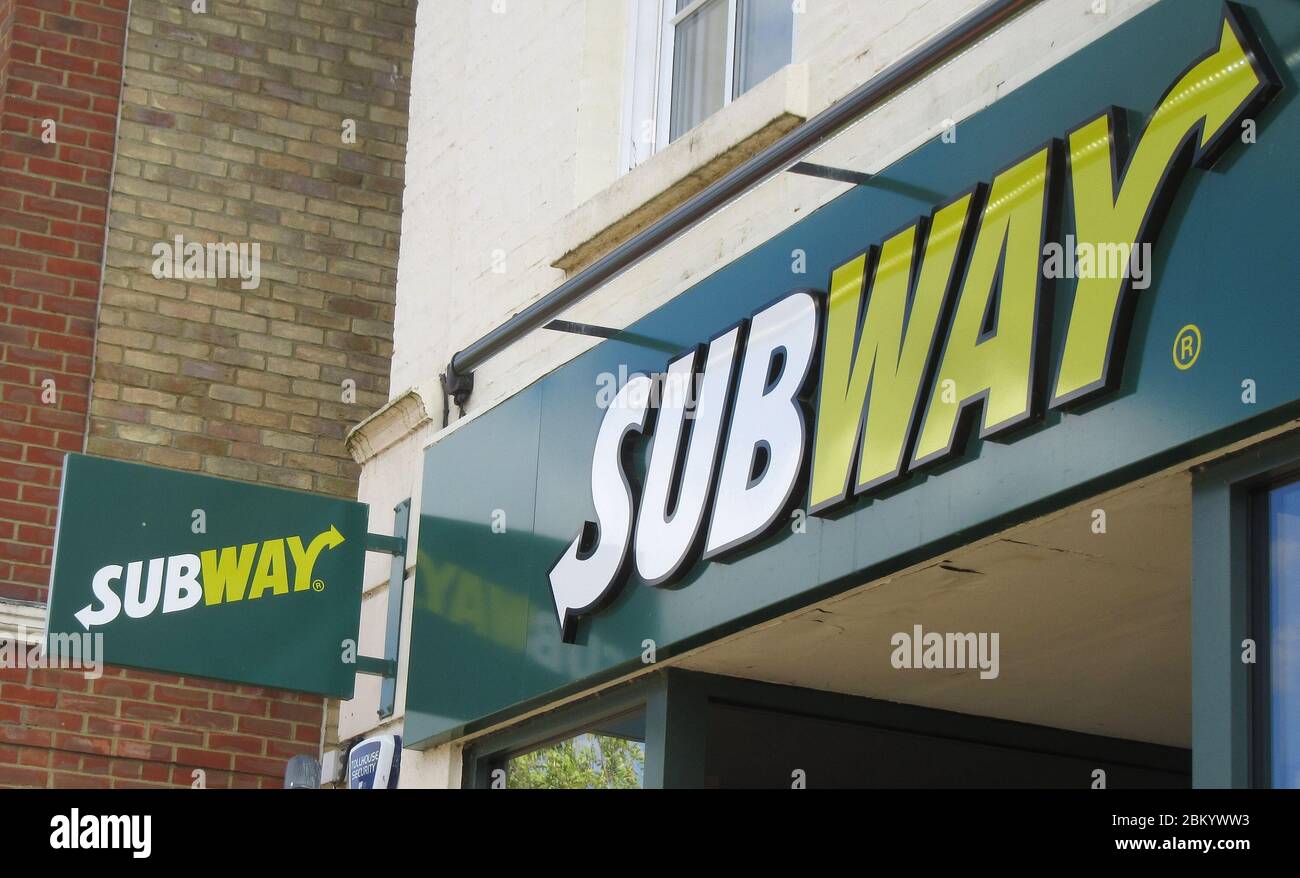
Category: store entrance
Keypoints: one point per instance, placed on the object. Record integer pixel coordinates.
(1056, 653)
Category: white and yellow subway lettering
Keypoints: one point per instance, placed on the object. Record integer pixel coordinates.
(176, 583)
(944, 325)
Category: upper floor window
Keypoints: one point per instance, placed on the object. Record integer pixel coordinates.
(690, 58)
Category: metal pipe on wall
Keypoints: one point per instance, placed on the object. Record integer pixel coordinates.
(458, 378)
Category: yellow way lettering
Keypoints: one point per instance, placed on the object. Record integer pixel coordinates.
(1000, 294)
(225, 572)
(871, 380)
(272, 570)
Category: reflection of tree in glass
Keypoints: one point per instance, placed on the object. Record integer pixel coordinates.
(583, 763)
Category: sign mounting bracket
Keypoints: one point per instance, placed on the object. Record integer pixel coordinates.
(386, 667)
(826, 172)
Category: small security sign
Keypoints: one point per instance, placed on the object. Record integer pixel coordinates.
(374, 763)
(191, 574)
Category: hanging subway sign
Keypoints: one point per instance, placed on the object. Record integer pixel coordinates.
(173, 571)
(945, 319)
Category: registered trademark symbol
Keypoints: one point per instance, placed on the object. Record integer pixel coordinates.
(318, 585)
(1187, 346)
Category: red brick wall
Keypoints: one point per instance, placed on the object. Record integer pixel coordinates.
(6, 34)
(62, 61)
(130, 729)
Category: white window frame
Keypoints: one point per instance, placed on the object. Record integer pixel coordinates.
(668, 32)
(649, 73)
(640, 97)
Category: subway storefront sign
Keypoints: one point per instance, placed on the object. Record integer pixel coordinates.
(1093, 290)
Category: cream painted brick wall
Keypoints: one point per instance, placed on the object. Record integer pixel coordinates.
(851, 40)
(600, 98)
(501, 150)
(495, 123)
(508, 121)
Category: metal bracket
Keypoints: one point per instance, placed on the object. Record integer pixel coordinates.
(623, 335)
(582, 329)
(376, 667)
(457, 387)
(826, 172)
(394, 545)
(386, 667)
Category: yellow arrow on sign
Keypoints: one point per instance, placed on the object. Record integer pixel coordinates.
(305, 560)
(1195, 121)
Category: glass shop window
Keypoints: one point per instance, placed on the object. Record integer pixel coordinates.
(1277, 520)
(609, 755)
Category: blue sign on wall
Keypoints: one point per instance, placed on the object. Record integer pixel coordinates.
(375, 763)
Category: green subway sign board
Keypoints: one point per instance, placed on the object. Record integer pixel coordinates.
(208, 577)
(1091, 281)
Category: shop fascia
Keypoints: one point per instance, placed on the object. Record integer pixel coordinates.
(946, 313)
